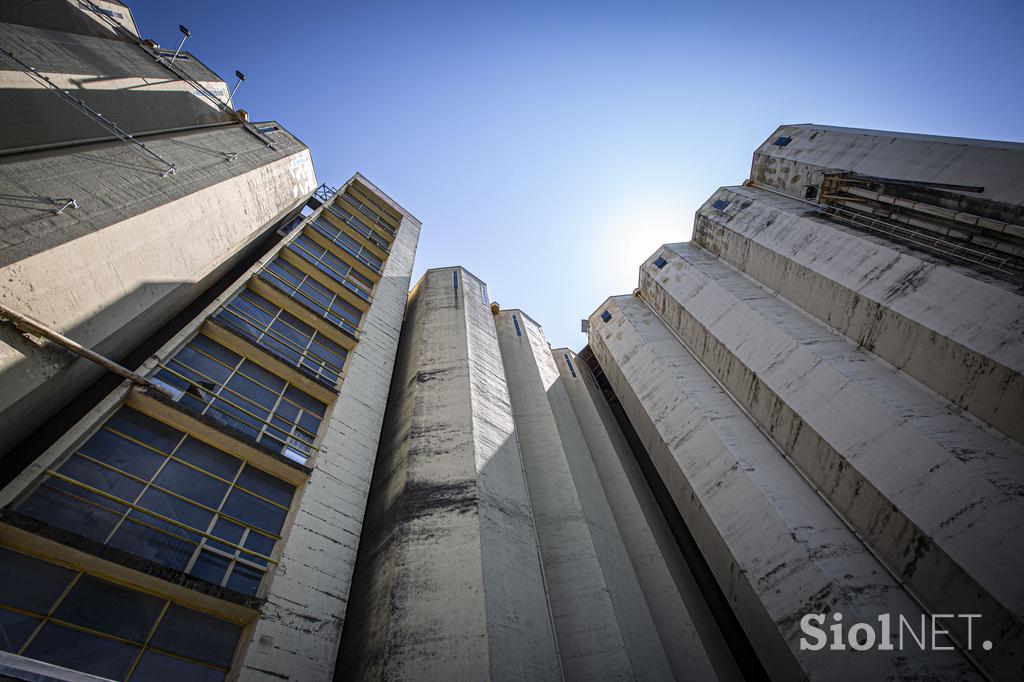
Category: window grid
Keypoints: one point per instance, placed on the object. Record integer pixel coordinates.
(311, 360)
(455, 279)
(358, 225)
(240, 555)
(329, 305)
(295, 436)
(149, 483)
(515, 322)
(345, 242)
(332, 266)
(373, 215)
(146, 645)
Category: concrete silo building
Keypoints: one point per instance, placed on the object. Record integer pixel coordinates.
(199, 521)
(827, 379)
(308, 472)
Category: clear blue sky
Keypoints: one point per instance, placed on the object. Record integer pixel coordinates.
(551, 147)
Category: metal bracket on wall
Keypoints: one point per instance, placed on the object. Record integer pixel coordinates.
(173, 68)
(91, 113)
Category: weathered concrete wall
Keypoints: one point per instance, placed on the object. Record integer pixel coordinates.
(605, 629)
(117, 79)
(995, 165)
(298, 634)
(959, 334)
(776, 548)
(449, 582)
(689, 636)
(139, 249)
(938, 495)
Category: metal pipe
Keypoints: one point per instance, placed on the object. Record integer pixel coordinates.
(185, 33)
(31, 326)
(939, 211)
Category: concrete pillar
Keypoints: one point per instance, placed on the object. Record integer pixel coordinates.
(776, 548)
(605, 629)
(683, 623)
(449, 583)
(939, 496)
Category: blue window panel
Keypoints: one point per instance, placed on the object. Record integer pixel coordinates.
(782, 141)
(515, 321)
(720, 204)
(660, 262)
(455, 280)
(606, 316)
(568, 363)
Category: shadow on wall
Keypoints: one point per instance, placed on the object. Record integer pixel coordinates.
(40, 377)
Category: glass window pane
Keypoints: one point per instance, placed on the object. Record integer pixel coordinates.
(258, 543)
(15, 629)
(306, 400)
(270, 487)
(298, 325)
(210, 567)
(254, 511)
(214, 349)
(101, 478)
(152, 544)
(245, 422)
(81, 651)
(311, 424)
(192, 484)
(228, 530)
(197, 635)
(29, 583)
(154, 667)
(99, 605)
(124, 454)
(245, 579)
(145, 429)
(199, 367)
(208, 458)
(250, 392)
(175, 508)
(59, 509)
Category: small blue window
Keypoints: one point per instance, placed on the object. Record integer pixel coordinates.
(455, 280)
(569, 364)
(720, 204)
(659, 262)
(782, 141)
(606, 316)
(515, 321)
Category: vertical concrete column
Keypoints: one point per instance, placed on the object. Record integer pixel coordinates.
(298, 634)
(776, 548)
(605, 630)
(449, 583)
(684, 624)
